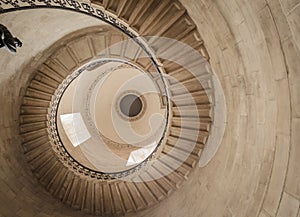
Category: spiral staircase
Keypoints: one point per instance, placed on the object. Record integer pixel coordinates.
(254, 50)
(71, 183)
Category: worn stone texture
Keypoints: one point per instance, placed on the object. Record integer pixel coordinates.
(289, 206)
(255, 50)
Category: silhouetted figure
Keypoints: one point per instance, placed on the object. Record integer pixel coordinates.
(7, 40)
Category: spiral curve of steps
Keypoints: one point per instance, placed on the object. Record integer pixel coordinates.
(117, 197)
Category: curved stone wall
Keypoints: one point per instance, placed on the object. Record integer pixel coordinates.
(254, 48)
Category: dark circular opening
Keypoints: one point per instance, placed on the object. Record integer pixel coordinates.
(131, 105)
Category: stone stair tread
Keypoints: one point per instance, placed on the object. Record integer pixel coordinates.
(24, 128)
(98, 198)
(38, 94)
(35, 102)
(36, 110)
(117, 203)
(135, 196)
(128, 204)
(32, 144)
(176, 165)
(146, 194)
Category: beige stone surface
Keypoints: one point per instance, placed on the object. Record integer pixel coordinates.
(263, 214)
(254, 49)
(289, 206)
(293, 176)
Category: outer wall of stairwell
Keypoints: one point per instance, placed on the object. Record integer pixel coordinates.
(249, 42)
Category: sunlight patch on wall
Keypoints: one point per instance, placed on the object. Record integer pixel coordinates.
(75, 128)
(141, 154)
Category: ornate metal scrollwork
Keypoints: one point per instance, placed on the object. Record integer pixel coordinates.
(8, 40)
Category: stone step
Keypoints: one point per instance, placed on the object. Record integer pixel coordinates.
(32, 118)
(180, 29)
(190, 113)
(34, 84)
(188, 146)
(127, 8)
(135, 195)
(170, 16)
(166, 185)
(80, 194)
(192, 123)
(158, 172)
(187, 82)
(32, 144)
(203, 119)
(197, 100)
(103, 3)
(48, 172)
(88, 201)
(147, 195)
(42, 171)
(175, 178)
(116, 199)
(49, 81)
(37, 150)
(62, 62)
(184, 148)
(185, 90)
(153, 187)
(50, 73)
(175, 165)
(177, 76)
(38, 94)
(24, 128)
(143, 20)
(62, 191)
(187, 160)
(55, 63)
(72, 190)
(29, 101)
(126, 199)
(117, 7)
(194, 40)
(189, 95)
(185, 156)
(98, 199)
(159, 17)
(29, 136)
(27, 110)
(107, 199)
(189, 134)
(57, 180)
(40, 161)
